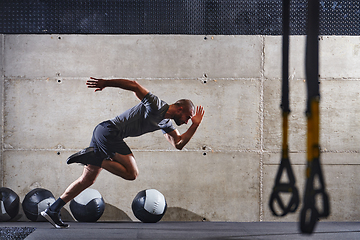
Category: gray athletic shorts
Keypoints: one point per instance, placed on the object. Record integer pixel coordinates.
(106, 142)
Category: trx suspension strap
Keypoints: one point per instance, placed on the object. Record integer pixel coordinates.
(315, 195)
(285, 187)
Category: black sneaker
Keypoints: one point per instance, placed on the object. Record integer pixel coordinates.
(54, 219)
(82, 157)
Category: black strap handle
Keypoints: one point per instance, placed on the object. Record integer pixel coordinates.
(310, 212)
(287, 187)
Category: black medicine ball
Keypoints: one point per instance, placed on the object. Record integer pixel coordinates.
(9, 204)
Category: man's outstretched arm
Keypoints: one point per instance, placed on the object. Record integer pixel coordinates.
(179, 141)
(99, 84)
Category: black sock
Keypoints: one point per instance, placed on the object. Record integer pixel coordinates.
(57, 205)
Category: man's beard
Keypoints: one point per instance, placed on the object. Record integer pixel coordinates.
(177, 121)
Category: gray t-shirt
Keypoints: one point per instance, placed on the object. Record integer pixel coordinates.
(147, 116)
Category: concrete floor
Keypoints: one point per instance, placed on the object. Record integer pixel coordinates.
(189, 230)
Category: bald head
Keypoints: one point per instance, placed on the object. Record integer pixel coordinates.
(186, 104)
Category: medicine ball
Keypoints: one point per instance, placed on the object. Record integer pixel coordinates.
(88, 206)
(36, 201)
(149, 206)
(9, 204)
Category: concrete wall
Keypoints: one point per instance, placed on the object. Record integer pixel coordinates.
(227, 170)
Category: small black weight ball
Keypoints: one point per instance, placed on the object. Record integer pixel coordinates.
(88, 206)
(36, 201)
(149, 206)
(9, 204)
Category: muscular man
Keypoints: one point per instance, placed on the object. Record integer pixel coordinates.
(108, 150)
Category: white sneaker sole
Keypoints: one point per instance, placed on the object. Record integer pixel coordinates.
(48, 218)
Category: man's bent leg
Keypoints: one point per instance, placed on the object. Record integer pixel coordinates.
(122, 165)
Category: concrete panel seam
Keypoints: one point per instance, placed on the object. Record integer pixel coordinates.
(322, 164)
(339, 151)
(261, 113)
(136, 150)
(7, 78)
(337, 79)
(321, 151)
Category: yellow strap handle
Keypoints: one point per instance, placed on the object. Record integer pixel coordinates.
(313, 123)
(285, 147)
